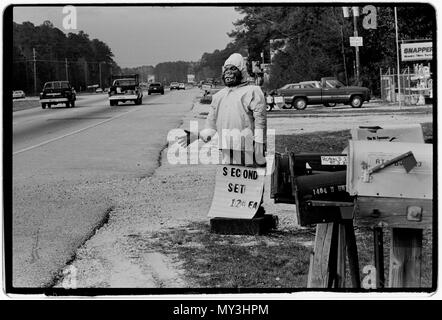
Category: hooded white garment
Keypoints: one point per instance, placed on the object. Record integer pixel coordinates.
(237, 113)
(238, 61)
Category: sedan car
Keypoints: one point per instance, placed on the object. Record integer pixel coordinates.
(181, 86)
(174, 86)
(16, 94)
(155, 87)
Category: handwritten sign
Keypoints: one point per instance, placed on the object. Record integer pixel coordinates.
(238, 192)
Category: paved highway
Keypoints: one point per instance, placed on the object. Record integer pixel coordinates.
(67, 165)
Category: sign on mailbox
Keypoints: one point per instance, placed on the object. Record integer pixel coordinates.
(392, 181)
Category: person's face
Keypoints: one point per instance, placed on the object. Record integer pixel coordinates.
(231, 76)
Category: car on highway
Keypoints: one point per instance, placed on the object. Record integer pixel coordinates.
(57, 92)
(125, 88)
(174, 86)
(181, 86)
(155, 87)
(17, 94)
(329, 91)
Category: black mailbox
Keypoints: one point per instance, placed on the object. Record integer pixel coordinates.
(316, 183)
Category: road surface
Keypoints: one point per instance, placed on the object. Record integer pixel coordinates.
(68, 163)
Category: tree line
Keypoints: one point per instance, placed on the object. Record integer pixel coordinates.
(58, 56)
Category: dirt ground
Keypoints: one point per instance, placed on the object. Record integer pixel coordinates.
(119, 254)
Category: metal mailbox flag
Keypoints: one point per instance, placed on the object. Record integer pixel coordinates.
(238, 192)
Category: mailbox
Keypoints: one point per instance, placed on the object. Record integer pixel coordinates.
(314, 182)
(392, 133)
(289, 165)
(321, 197)
(392, 183)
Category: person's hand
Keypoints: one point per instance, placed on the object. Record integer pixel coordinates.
(187, 139)
(260, 154)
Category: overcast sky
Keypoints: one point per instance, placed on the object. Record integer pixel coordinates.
(145, 35)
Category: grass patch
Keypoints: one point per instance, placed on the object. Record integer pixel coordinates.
(276, 260)
(326, 141)
(24, 104)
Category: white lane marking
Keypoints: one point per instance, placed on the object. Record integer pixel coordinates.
(71, 133)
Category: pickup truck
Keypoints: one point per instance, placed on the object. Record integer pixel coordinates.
(125, 88)
(328, 92)
(57, 92)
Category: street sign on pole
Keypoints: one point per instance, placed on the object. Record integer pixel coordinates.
(356, 42)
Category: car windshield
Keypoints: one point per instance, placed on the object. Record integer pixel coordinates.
(124, 82)
(333, 84)
(56, 85)
(155, 84)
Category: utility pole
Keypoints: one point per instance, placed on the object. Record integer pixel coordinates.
(66, 68)
(99, 67)
(355, 24)
(35, 71)
(85, 75)
(343, 56)
(397, 58)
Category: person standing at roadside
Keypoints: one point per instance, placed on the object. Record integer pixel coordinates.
(238, 115)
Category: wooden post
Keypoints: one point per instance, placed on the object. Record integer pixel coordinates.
(379, 256)
(319, 266)
(341, 257)
(405, 258)
(352, 253)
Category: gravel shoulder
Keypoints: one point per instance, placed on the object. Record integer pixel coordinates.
(119, 255)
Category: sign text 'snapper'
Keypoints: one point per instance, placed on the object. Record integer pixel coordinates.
(238, 192)
(417, 51)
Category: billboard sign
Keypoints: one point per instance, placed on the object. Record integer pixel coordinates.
(417, 51)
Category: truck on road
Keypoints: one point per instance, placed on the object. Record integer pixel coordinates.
(57, 92)
(125, 88)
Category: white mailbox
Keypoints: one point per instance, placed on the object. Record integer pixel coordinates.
(391, 133)
(392, 182)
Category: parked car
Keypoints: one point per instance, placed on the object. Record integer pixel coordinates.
(155, 87)
(99, 90)
(17, 94)
(181, 86)
(57, 92)
(328, 91)
(174, 86)
(125, 88)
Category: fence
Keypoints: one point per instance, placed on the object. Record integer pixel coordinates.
(416, 88)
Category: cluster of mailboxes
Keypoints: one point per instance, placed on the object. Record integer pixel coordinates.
(383, 178)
